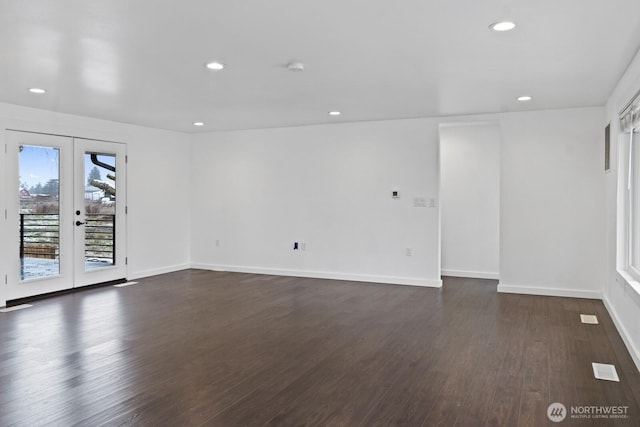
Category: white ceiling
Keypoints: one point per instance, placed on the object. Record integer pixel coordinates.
(142, 61)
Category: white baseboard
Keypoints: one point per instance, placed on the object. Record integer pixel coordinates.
(393, 280)
(549, 292)
(157, 271)
(626, 338)
(470, 274)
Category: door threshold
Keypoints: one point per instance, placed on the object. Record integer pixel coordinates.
(27, 300)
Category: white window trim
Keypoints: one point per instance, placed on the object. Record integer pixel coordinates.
(632, 201)
(630, 125)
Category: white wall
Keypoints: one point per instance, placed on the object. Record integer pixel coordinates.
(4, 240)
(258, 191)
(552, 203)
(621, 292)
(329, 186)
(158, 186)
(470, 199)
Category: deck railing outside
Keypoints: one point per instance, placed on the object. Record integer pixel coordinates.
(100, 237)
(40, 236)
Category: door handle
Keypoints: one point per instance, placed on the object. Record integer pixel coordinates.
(79, 223)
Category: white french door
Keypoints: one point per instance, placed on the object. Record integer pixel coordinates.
(68, 203)
(99, 211)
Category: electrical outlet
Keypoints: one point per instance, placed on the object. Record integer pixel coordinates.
(408, 251)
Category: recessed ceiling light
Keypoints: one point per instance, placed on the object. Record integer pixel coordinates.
(524, 98)
(37, 90)
(502, 26)
(295, 66)
(215, 66)
(198, 123)
(334, 113)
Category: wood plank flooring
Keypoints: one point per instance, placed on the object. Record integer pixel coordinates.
(200, 348)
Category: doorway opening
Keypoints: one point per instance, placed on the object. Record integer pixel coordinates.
(470, 200)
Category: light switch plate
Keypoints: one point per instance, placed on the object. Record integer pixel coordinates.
(419, 202)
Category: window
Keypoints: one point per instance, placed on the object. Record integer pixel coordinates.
(630, 126)
(634, 198)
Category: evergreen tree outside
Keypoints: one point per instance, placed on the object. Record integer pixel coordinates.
(51, 187)
(94, 174)
(36, 189)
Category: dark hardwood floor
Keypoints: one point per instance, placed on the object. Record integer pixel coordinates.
(226, 349)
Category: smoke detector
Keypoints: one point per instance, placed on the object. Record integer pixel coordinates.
(295, 66)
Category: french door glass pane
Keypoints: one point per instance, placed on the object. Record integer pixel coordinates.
(100, 210)
(39, 215)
